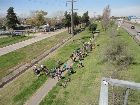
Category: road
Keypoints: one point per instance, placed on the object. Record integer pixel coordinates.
(22, 44)
(133, 32)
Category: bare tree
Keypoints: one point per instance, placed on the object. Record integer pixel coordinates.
(106, 17)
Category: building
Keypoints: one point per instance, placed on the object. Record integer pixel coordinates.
(134, 19)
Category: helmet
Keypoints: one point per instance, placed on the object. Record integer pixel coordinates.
(41, 66)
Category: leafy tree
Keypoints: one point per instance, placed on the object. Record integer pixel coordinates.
(30, 21)
(92, 27)
(52, 21)
(106, 17)
(37, 19)
(85, 18)
(67, 21)
(76, 19)
(11, 18)
(2, 23)
(80, 19)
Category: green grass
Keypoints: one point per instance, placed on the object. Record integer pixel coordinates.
(81, 90)
(62, 54)
(84, 87)
(14, 88)
(5, 41)
(85, 83)
(28, 83)
(26, 54)
(21, 97)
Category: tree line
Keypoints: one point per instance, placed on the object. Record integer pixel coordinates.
(76, 20)
(39, 18)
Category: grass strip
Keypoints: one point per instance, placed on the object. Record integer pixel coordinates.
(28, 91)
(5, 41)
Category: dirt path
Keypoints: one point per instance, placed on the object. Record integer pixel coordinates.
(19, 45)
(43, 90)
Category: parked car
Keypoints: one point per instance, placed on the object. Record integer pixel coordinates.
(58, 25)
(138, 33)
(5, 32)
(47, 29)
(133, 27)
(52, 28)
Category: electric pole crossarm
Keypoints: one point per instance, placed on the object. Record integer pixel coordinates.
(71, 1)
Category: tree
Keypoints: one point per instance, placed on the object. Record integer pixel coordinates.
(52, 21)
(2, 22)
(85, 18)
(67, 21)
(106, 17)
(37, 19)
(76, 19)
(92, 27)
(11, 19)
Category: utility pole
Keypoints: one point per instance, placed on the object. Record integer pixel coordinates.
(72, 23)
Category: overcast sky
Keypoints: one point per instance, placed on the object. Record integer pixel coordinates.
(118, 7)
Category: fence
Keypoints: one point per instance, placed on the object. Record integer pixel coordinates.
(117, 92)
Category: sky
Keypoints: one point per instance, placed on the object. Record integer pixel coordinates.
(95, 7)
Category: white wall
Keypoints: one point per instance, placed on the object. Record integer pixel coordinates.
(135, 20)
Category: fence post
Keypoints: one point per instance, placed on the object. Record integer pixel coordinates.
(104, 93)
(126, 96)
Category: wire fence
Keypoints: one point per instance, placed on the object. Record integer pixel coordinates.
(117, 96)
(119, 92)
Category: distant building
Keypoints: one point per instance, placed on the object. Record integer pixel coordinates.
(134, 19)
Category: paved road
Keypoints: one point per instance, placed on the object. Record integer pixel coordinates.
(127, 27)
(19, 45)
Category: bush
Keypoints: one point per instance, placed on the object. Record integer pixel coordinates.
(116, 53)
(92, 27)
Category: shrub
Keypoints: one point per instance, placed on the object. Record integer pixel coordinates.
(92, 27)
(116, 53)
